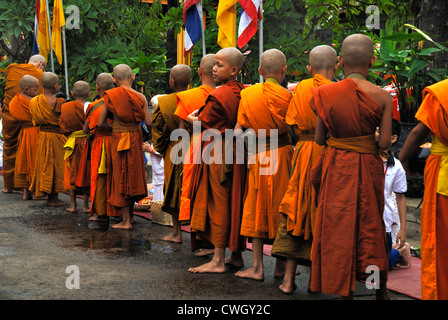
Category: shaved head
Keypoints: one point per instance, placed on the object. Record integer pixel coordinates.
(206, 64)
(357, 51)
(28, 81)
(272, 61)
(233, 56)
(105, 81)
(123, 72)
(81, 89)
(323, 58)
(181, 74)
(49, 80)
(37, 58)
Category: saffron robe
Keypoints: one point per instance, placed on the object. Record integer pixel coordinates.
(72, 122)
(217, 187)
(263, 108)
(27, 142)
(433, 112)
(187, 102)
(49, 167)
(126, 147)
(10, 127)
(164, 122)
(349, 232)
(298, 206)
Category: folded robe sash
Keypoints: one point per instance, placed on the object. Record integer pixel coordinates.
(70, 144)
(438, 148)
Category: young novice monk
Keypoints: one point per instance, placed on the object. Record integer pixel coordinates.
(298, 207)
(218, 187)
(128, 108)
(49, 166)
(263, 109)
(27, 143)
(164, 122)
(100, 173)
(72, 122)
(349, 233)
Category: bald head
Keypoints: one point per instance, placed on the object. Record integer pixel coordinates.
(28, 81)
(206, 64)
(233, 56)
(357, 51)
(181, 74)
(49, 80)
(81, 89)
(105, 81)
(323, 58)
(123, 72)
(39, 61)
(273, 61)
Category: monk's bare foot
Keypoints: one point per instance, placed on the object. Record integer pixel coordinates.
(6, 190)
(27, 195)
(251, 273)
(287, 287)
(210, 267)
(102, 218)
(405, 257)
(122, 225)
(236, 260)
(204, 252)
(281, 274)
(72, 209)
(172, 238)
(55, 203)
(86, 210)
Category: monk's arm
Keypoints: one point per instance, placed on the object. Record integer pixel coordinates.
(384, 140)
(86, 128)
(415, 139)
(401, 204)
(321, 132)
(148, 120)
(102, 119)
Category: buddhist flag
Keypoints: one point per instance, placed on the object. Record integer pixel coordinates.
(56, 29)
(250, 13)
(43, 34)
(226, 20)
(36, 27)
(193, 26)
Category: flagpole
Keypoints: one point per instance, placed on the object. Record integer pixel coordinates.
(204, 50)
(49, 35)
(65, 58)
(260, 40)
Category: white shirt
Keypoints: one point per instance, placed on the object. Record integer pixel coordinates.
(395, 181)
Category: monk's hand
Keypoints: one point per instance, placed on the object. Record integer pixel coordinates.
(401, 239)
(193, 116)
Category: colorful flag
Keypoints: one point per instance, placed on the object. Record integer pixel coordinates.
(250, 13)
(193, 26)
(36, 27)
(226, 20)
(56, 29)
(43, 34)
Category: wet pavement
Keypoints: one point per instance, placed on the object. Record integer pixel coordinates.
(43, 250)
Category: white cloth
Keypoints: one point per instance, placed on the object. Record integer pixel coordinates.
(395, 182)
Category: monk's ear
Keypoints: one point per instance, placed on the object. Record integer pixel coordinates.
(133, 77)
(372, 61)
(260, 72)
(235, 71)
(309, 69)
(199, 72)
(341, 61)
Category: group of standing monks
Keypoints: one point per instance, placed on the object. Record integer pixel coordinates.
(318, 200)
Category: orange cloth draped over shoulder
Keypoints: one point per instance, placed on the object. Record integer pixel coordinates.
(126, 147)
(11, 128)
(187, 102)
(27, 143)
(72, 119)
(164, 122)
(217, 187)
(349, 232)
(49, 166)
(263, 108)
(298, 204)
(433, 112)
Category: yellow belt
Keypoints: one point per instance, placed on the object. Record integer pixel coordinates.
(71, 140)
(437, 148)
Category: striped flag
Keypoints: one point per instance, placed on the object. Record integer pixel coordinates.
(192, 20)
(226, 20)
(250, 13)
(36, 26)
(56, 29)
(43, 33)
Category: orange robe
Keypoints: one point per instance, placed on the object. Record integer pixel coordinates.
(187, 102)
(164, 122)
(263, 108)
(126, 147)
(349, 233)
(72, 119)
(217, 188)
(49, 167)
(27, 143)
(298, 205)
(11, 128)
(434, 215)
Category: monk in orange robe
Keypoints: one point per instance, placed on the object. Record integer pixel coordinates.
(262, 109)
(217, 185)
(26, 147)
(49, 166)
(11, 128)
(97, 162)
(189, 101)
(164, 122)
(128, 108)
(349, 232)
(294, 236)
(432, 116)
(72, 123)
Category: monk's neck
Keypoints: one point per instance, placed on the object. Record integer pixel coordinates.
(208, 83)
(81, 101)
(27, 97)
(356, 74)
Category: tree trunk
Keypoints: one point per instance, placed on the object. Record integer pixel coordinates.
(171, 46)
